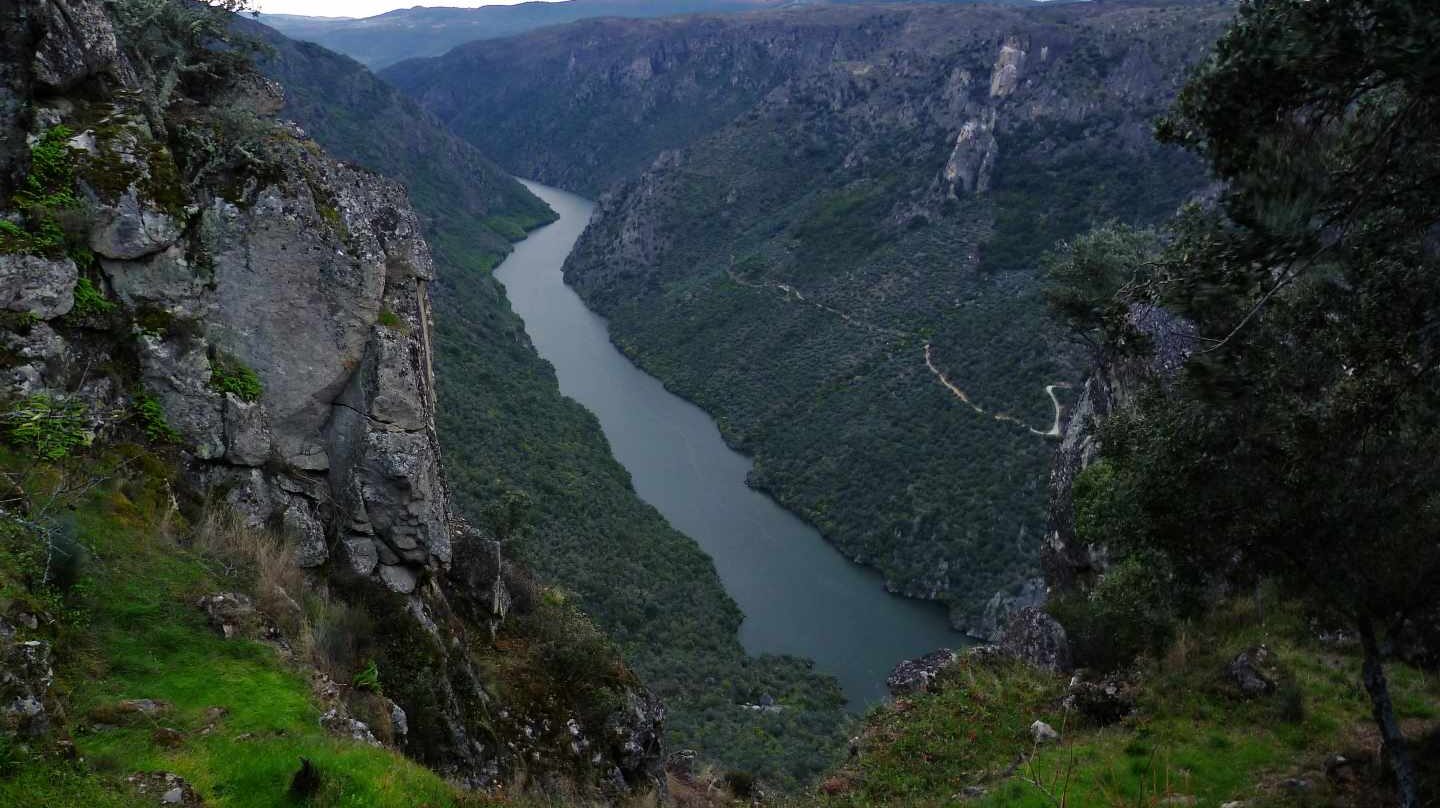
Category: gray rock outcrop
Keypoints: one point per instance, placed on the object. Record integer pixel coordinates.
(1037, 639)
(1252, 672)
(1003, 605)
(1068, 562)
(271, 322)
(917, 675)
(41, 287)
(27, 709)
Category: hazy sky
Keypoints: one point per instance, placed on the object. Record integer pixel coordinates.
(362, 8)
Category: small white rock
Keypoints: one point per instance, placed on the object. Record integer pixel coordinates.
(1043, 733)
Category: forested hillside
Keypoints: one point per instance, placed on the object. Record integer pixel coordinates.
(530, 464)
(836, 250)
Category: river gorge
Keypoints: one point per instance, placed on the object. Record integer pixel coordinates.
(799, 595)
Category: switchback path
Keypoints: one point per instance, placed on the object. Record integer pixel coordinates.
(791, 292)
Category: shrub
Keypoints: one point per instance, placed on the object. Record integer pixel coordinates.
(89, 300)
(368, 679)
(337, 636)
(47, 428)
(1130, 611)
(229, 375)
(46, 194)
(393, 321)
(152, 419)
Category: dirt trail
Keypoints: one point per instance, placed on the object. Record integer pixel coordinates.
(791, 292)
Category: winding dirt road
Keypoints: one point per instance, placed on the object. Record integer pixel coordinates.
(791, 292)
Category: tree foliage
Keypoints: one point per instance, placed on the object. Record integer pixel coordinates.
(1300, 440)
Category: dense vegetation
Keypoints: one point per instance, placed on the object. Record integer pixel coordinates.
(1298, 441)
(788, 271)
(507, 429)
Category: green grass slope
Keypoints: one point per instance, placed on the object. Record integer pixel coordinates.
(1191, 740)
(127, 627)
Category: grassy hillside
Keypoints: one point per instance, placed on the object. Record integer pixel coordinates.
(118, 606)
(1191, 740)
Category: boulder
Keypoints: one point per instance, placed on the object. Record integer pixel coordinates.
(635, 735)
(306, 531)
(1042, 733)
(43, 287)
(362, 554)
(131, 228)
(916, 675)
(1252, 672)
(337, 723)
(26, 707)
(1037, 639)
(231, 613)
(164, 788)
(79, 42)
(399, 579)
(1101, 702)
(247, 439)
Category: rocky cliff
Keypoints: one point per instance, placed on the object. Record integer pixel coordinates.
(172, 251)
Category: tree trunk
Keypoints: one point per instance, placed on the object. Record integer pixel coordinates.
(1384, 711)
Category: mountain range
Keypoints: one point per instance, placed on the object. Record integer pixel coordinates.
(421, 31)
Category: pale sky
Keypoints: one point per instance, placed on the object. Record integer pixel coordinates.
(362, 8)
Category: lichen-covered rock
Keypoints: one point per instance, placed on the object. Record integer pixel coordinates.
(231, 613)
(79, 42)
(165, 280)
(1252, 672)
(26, 707)
(476, 579)
(306, 532)
(635, 738)
(132, 227)
(361, 554)
(1043, 733)
(337, 723)
(165, 789)
(43, 287)
(1037, 639)
(1101, 702)
(247, 439)
(916, 675)
(178, 373)
(1004, 604)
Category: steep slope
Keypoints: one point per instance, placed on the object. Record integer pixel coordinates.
(217, 373)
(473, 210)
(508, 430)
(844, 272)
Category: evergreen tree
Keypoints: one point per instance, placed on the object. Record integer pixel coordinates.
(1301, 439)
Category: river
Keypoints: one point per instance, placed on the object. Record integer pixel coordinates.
(798, 594)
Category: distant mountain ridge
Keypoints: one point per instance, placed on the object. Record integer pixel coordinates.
(385, 39)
